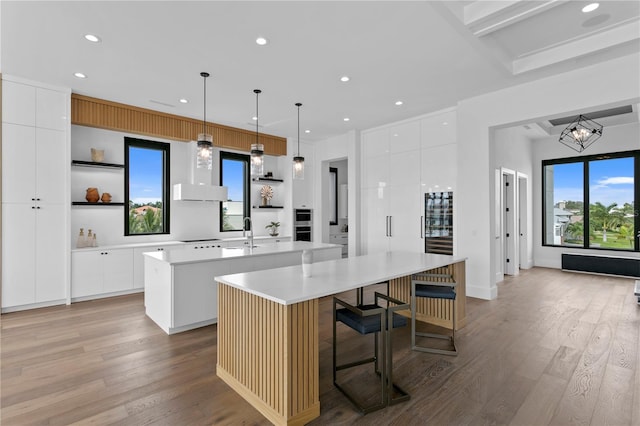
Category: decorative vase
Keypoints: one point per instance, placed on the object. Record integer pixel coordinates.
(97, 155)
(106, 197)
(274, 233)
(265, 201)
(92, 195)
(82, 241)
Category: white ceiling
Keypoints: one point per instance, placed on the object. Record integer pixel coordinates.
(428, 54)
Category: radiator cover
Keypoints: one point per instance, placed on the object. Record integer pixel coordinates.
(610, 265)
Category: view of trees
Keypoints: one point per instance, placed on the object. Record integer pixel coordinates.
(610, 226)
(145, 221)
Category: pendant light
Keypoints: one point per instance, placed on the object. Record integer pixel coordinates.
(257, 149)
(581, 133)
(298, 161)
(204, 155)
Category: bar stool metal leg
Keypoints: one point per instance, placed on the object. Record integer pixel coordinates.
(422, 285)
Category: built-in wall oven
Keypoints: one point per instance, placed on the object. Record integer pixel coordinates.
(302, 224)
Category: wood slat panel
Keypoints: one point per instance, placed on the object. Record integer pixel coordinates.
(102, 114)
(267, 352)
(435, 311)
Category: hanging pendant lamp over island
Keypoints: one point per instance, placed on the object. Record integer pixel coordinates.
(257, 149)
(204, 156)
(298, 161)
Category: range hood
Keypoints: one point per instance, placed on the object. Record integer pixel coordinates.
(199, 187)
(199, 192)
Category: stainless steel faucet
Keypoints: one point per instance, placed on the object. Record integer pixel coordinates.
(244, 230)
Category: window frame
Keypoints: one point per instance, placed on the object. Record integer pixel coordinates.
(585, 160)
(165, 148)
(226, 155)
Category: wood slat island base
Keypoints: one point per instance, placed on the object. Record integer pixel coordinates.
(268, 353)
(268, 348)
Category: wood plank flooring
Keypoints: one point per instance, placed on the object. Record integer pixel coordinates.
(554, 348)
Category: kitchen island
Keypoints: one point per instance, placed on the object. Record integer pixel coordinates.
(268, 324)
(180, 292)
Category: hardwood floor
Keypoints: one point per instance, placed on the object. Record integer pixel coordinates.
(554, 348)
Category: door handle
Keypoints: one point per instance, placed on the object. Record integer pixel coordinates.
(390, 227)
(421, 223)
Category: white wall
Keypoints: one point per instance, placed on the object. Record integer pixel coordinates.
(607, 84)
(614, 139)
(189, 219)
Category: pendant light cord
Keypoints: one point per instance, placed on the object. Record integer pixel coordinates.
(204, 117)
(257, 92)
(298, 105)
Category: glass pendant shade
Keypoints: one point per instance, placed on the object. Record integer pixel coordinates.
(298, 167)
(257, 159)
(257, 149)
(298, 161)
(581, 133)
(204, 155)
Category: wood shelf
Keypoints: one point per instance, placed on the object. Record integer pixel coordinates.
(86, 203)
(81, 163)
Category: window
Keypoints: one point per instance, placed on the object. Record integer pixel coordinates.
(234, 174)
(608, 185)
(146, 187)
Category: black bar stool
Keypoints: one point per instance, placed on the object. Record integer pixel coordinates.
(425, 285)
(368, 319)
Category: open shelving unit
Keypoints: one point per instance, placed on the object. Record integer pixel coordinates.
(97, 165)
(81, 163)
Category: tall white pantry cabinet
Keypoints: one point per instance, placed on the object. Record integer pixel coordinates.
(401, 163)
(35, 198)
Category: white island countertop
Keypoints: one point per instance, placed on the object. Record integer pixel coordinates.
(179, 257)
(287, 285)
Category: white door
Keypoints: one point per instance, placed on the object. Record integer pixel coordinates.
(509, 220)
(51, 271)
(118, 270)
(376, 220)
(18, 164)
(18, 263)
(50, 175)
(86, 273)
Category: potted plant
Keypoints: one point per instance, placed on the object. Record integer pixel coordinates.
(273, 228)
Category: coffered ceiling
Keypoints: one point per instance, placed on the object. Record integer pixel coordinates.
(426, 54)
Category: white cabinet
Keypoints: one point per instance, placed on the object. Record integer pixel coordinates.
(101, 272)
(138, 261)
(341, 239)
(35, 204)
(391, 193)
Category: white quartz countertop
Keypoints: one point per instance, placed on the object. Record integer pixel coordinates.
(177, 257)
(257, 239)
(287, 285)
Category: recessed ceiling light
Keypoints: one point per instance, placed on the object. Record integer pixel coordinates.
(346, 119)
(307, 131)
(344, 78)
(262, 41)
(590, 7)
(184, 101)
(398, 103)
(92, 38)
(80, 75)
(254, 118)
(444, 123)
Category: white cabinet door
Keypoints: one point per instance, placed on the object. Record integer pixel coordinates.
(51, 267)
(49, 174)
(18, 263)
(405, 217)
(438, 168)
(51, 109)
(117, 270)
(404, 137)
(18, 103)
(376, 220)
(86, 273)
(18, 164)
